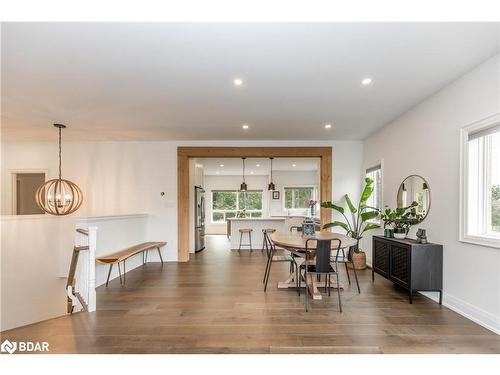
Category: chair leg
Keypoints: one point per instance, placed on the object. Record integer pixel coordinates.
(241, 237)
(124, 271)
(329, 285)
(326, 282)
(267, 269)
(297, 276)
(305, 278)
(268, 272)
(347, 271)
(356, 277)
(338, 291)
(109, 273)
(250, 240)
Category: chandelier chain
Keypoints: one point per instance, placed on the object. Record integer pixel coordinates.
(60, 154)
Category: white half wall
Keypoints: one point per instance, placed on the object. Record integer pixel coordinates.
(31, 289)
(425, 141)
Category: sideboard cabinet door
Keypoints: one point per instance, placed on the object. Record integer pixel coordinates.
(400, 264)
(381, 257)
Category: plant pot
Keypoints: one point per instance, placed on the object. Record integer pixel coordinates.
(400, 233)
(389, 233)
(358, 260)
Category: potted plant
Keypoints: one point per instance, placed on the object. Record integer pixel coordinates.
(359, 223)
(312, 204)
(399, 220)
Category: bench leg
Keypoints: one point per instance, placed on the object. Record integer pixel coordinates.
(109, 273)
(159, 253)
(147, 252)
(120, 273)
(124, 271)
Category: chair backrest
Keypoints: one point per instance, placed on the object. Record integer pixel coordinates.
(323, 254)
(269, 244)
(296, 227)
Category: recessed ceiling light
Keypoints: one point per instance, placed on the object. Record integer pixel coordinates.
(294, 165)
(245, 126)
(328, 126)
(257, 165)
(221, 165)
(366, 81)
(238, 82)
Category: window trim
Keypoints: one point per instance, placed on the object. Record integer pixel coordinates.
(315, 192)
(373, 166)
(475, 127)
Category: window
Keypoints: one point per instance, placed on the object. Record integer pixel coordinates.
(228, 204)
(298, 197)
(375, 200)
(480, 183)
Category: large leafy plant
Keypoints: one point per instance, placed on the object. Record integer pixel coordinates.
(360, 214)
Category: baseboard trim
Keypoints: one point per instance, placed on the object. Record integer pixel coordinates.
(477, 315)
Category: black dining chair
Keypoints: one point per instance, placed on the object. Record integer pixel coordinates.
(319, 262)
(272, 257)
(346, 260)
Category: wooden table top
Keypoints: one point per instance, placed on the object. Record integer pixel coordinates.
(296, 241)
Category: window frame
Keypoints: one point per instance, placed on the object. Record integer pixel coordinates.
(315, 195)
(477, 239)
(373, 166)
(224, 212)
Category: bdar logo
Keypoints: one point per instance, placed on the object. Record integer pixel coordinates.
(8, 347)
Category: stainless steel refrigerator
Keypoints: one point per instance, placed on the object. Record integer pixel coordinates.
(199, 219)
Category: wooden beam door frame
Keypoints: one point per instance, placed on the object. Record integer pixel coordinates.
(185, 153)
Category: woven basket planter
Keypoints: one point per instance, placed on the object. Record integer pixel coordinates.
(359, 260)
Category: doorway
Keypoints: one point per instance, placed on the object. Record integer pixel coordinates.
(24, 189)
(184, 154)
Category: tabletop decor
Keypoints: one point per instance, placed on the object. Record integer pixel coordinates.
(59, 196)
(359, 223)
(312, 203)
(400, 220)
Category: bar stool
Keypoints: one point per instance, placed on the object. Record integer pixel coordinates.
(249, 231)
(264, 231)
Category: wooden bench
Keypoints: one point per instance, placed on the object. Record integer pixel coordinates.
(123, 255)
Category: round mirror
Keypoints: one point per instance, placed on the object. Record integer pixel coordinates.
(415, 188)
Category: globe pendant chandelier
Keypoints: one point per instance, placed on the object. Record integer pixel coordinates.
(59, 196)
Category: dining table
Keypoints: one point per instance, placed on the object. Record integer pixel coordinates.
(295, 243)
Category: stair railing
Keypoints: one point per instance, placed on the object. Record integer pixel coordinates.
(80, 287)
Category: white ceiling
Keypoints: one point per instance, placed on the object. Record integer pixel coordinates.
(234, 166)
(137, 81)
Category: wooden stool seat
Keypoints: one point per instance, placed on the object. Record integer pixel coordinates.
(268, 230)
(246, 230)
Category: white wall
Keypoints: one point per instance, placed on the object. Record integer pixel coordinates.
(425, 141)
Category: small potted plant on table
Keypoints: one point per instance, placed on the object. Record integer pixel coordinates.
(397, 222)
(361, 215)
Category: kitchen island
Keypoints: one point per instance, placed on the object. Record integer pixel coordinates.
(257, 224)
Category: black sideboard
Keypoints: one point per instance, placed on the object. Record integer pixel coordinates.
(409, 264)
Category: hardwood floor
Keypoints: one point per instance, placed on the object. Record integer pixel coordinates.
(216, 304)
